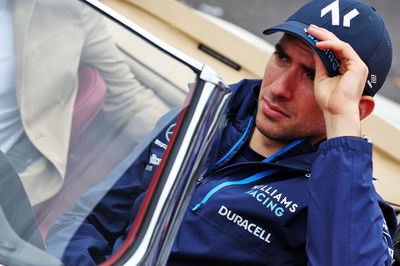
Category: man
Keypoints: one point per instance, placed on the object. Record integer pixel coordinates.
(292, 182)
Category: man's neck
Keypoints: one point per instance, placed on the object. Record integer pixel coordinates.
(265, 146)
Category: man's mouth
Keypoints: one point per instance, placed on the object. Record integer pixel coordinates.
(272, 110)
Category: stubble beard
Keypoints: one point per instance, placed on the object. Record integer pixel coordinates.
(285, 132)
(274, 132)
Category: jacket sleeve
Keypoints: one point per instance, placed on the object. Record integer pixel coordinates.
(348, 223)
(86, 236)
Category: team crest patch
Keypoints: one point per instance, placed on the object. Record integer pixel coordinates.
(169, 132)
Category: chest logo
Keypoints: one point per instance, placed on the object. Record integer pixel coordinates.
(169, 132)
(273, 200)
(252, 228)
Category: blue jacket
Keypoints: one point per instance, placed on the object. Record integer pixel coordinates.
(304, 204)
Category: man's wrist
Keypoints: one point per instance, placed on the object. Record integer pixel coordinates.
(342, 125)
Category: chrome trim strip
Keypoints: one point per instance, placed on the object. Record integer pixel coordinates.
(205, 110)
(166, 217)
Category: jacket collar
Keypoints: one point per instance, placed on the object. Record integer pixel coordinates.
(300, 157)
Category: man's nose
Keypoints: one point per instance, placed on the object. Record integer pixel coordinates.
(283, 86)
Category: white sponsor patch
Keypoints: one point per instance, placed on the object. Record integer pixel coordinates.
(273, 200)
(169, 132)
(161, 144)
(154, 159)
(250, 227)
(387, 238)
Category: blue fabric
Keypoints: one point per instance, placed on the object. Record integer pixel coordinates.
(333, 217)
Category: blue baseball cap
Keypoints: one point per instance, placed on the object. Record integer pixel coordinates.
(351, 21)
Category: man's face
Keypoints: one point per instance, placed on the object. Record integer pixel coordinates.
(287, 109)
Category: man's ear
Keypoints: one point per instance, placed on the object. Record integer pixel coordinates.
(366, 106)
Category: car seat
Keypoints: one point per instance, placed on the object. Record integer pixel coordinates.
(89, 100)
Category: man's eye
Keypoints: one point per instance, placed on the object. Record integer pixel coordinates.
(310, 76)
(281, 56)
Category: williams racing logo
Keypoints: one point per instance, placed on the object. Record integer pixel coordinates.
(272, 200)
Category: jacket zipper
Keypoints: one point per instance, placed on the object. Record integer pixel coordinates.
(247, 180)
(238, 142)
(247, 130)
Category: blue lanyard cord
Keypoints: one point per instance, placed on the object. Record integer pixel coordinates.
(270, 158)
(238, 142)
(248, 180)
(288, 147)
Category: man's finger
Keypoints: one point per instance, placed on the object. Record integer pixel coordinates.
(341, 49)
(320, 70)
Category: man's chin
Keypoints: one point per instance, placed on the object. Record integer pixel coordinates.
(279, 136)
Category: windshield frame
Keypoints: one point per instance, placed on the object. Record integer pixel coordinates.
(159, 217)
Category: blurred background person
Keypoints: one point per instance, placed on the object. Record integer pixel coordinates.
(62, 76)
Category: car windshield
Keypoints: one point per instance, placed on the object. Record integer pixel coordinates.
(85, 96)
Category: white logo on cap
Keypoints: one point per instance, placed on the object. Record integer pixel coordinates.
(349, 16)
(369, 84)
(374, 79)
(334, 9)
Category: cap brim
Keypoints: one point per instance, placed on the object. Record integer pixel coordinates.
(299, 29)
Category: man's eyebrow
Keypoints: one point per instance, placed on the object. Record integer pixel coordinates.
(279, 48)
